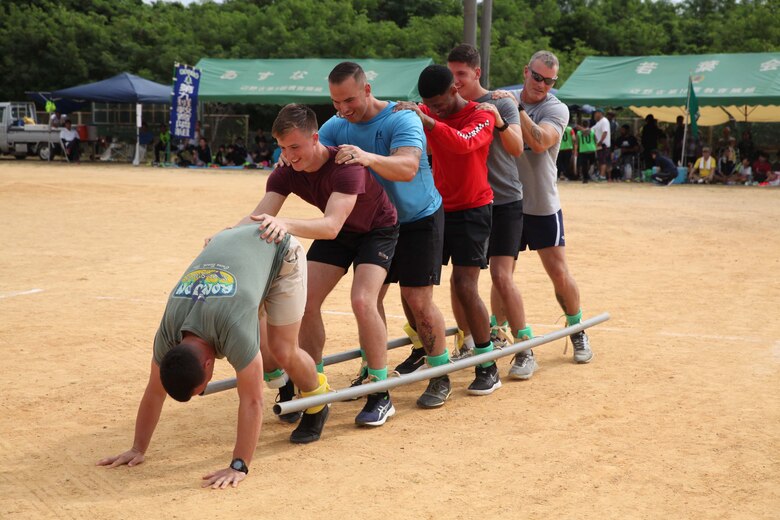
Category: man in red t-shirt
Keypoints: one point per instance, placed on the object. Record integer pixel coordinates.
(359, 226)
(459, 137)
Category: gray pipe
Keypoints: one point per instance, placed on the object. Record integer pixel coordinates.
(227, 384)
(380, 386)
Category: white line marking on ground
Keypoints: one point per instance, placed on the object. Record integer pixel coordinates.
(133, 300)
(19, 293)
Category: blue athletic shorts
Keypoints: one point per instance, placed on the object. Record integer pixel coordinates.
(541, 232)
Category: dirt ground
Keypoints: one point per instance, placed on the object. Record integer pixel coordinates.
(678, 415)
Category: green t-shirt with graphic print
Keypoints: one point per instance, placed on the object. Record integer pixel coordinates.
(218, 296)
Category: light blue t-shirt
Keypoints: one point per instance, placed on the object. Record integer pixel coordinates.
(387, 131)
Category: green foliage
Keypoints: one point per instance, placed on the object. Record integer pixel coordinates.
(52, 44)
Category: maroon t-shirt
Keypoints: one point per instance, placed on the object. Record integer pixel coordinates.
(372, 209)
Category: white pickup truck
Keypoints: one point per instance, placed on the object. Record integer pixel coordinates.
(20, 135)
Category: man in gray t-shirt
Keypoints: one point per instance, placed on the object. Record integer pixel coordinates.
(212, 312)
(508, 315)
(543, 119)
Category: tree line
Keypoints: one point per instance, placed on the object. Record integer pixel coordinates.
(48, 44)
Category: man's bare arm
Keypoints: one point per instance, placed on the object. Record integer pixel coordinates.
(145, 423)
(249, 382)
(538, 137)
(400, 166)
(337, 210)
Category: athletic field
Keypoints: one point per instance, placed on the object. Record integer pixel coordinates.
(678, 415)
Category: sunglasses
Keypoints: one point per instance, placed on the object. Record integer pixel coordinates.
(540, 78)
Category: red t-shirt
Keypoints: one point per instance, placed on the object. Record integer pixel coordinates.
(372, 209)
(460, 144)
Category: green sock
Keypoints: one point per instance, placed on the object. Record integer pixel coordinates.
(441, 359)
(363, 354)
(574, 319)
(493, 321)
(268, 376)
(377, 374)
(524, 333)
(481, 349)
(321, 367)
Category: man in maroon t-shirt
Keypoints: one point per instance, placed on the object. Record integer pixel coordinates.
(459, 137)
(359, 226)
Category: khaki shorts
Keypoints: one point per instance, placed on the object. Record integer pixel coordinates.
(286, 298)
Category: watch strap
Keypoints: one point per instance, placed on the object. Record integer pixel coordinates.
(504, 127)
(238, 464)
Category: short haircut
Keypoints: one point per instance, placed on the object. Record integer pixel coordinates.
(706, 149)
(294, 116)
(626, 126)
(548, 58)
(346, 70)
(465, 53)
(434, 81)
(181, 372)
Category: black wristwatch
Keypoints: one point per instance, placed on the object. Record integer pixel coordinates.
(502, 128)
(239, 465)
(520, 107)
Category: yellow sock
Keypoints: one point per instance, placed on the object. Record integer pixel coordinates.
(322, 389)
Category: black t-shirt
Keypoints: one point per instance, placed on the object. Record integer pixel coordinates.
(625, 143)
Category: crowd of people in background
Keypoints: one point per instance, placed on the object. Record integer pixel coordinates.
(600, 149)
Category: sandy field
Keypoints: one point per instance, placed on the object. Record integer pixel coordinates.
(678, 415)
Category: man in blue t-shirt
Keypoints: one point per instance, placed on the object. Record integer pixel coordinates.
(392, 146)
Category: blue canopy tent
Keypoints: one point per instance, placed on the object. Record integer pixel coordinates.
(122, 88)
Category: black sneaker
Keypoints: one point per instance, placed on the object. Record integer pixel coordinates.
(486, 381)
(439, 389)
(413, 363)
(376, 411)
(287, 393)
(311, 426)
(361, 377)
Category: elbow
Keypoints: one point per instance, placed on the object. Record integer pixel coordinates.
(516, 152)
(537, 147)
(408, 173)
(331, 231)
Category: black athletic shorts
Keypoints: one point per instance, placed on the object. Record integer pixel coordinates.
(417, 260)
(507, 229)
(375, 247)
(540, 232)
(466, 235)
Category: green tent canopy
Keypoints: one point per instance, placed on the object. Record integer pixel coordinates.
(301, 80)
(744, 86)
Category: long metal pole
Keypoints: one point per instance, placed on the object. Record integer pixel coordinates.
(380, 386)
(227, 384)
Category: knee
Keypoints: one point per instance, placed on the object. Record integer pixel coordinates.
(501, 280)
(363, 305)
(559, 274)
(282, 354)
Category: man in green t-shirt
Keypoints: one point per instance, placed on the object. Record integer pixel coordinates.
(585, 150)
(213, 312)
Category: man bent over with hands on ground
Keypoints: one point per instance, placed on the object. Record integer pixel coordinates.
(212, 312)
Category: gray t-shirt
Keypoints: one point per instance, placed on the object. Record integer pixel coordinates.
(502, 168)
(218, 296)
(538, 172)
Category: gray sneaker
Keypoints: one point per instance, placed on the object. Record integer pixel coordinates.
(523, 365)
(439, 389)
(582, 351)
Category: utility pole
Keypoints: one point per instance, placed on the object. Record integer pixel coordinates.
(470, 22)
(487, 22)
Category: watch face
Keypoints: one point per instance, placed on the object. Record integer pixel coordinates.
(237, 465)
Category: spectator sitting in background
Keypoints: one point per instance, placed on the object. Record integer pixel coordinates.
(727, 166)
(55, 119)
(202, 153)
(240, 149)
(745, 172)
(221, 157)
(776, 164)
(235, 155)
(761, 168)
(262, 153)
(70, 142)
(704, 167)
(666, 172)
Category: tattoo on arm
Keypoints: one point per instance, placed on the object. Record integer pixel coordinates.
(407, 150)
(536, 132)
